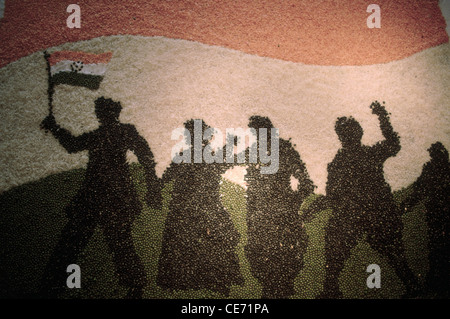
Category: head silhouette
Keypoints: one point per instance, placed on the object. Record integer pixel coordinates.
(438, 152)
(349, 131)
(190, 126)
(107, 110)
(258, 122)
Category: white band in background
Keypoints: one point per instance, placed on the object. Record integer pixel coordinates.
(65, 66)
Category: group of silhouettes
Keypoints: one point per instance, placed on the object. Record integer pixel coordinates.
(200, 240)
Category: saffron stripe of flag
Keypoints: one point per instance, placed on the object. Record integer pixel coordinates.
(78, 68)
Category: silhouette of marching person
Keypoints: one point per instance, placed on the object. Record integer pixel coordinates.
(107, 198)
(362, 202)
(276, 236)
(433, 187)
(199, 239)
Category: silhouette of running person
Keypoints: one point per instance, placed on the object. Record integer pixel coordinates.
(362, 202)
(107, 198)
(199, 240)
(276, 236)
(433, 188)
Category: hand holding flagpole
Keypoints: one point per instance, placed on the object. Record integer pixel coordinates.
(72, 68)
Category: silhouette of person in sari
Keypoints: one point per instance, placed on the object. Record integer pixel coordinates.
(199, 240)
(107, 198)
(277, 239)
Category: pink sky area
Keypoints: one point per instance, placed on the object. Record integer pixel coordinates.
(325, 32)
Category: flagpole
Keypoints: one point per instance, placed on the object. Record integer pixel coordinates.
(50, 88)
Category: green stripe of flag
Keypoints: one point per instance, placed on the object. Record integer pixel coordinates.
(77, 79)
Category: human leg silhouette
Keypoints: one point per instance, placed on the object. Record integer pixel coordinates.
(128, 265)
(340, 237)
(387, 241)
(73, 239)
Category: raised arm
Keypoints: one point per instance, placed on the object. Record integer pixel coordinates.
(391, 145)
(71, 143)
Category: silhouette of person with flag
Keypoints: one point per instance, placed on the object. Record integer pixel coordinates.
(107, 197)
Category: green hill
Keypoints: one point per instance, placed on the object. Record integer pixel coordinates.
(32, 218)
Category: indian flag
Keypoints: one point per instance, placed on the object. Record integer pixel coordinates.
(78, 68)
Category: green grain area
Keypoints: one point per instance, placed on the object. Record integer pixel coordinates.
(32, 217)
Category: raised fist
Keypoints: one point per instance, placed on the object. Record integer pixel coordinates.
(378, 109)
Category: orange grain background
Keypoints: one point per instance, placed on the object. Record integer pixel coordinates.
(321, 32)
